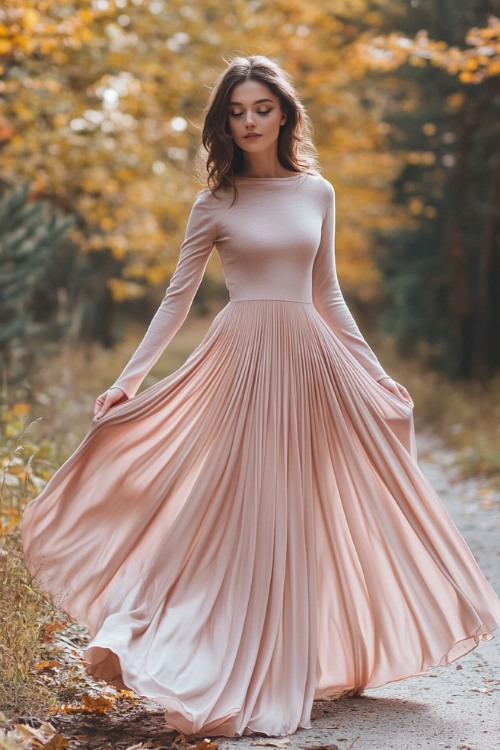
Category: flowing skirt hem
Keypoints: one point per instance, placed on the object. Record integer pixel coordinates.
(225, 726)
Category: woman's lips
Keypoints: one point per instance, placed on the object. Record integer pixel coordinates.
(251, 136)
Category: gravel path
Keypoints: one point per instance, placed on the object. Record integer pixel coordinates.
(456, 706)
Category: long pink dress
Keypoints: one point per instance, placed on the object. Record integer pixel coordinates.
(253, 531)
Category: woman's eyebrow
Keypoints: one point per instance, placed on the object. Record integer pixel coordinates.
(257, 102)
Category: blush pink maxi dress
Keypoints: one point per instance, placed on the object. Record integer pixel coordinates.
(253, 531)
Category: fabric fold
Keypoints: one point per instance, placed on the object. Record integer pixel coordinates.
(253, 532)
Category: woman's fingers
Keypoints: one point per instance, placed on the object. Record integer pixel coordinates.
(98, 403)
(103, 407)
(390, 385)
(106, 400)
(398, 390)
(405, 393)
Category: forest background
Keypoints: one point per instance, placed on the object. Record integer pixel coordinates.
(100, 117)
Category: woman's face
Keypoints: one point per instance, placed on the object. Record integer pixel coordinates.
(254, 111)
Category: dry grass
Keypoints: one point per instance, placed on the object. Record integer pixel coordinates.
(465, 415)
(65, 388)
(27, 623)
(27, 620)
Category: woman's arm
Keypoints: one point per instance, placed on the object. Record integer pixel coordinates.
(193, 258)
(328, 299)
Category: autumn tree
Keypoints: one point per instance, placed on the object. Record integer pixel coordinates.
(102, 106)
(442, 272)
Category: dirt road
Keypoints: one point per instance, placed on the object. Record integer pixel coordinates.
(455, 707)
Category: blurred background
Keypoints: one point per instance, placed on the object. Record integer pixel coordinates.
(100, 121)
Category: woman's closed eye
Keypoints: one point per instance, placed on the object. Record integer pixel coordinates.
(238, 114)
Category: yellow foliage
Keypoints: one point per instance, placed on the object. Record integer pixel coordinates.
(417, 62)
(156, 274)
(466, 77)
(455, 101)
(13, 428)
(106, 149)
(117, 249)
(471, 64)
(19, 408)
(493, 68)
(416, 206)
(135, 271)
(122, 290)
(19, 465)
(60, 120)
(107, 223)
(86, 15)
(30, 19)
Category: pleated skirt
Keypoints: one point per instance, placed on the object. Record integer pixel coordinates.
(253, 532)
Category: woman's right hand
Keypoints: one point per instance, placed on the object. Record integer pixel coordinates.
(396, 388)
(106, 400)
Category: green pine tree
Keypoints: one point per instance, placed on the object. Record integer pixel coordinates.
(30, 234)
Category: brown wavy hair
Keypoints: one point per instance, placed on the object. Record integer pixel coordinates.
(220, 156)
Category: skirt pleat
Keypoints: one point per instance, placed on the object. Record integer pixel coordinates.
(253, 532)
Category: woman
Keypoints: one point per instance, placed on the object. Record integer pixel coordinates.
(253, 531)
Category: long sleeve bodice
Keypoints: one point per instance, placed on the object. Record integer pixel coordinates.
(328, 298)
(276, 242)
(193, 258)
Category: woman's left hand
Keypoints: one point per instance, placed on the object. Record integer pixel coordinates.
(397, 389)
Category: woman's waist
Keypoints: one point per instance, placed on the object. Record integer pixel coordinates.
(270, 298)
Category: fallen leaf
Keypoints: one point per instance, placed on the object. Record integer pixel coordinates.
(43, 736)
(42, 665)
(89, 705)
(57, 742)
(97, 704)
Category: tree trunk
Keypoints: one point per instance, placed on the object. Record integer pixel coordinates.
(484, 342)
(459, 299)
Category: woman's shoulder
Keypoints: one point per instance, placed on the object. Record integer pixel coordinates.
(203, 196)
(207, 198)
(319, 179)
(322, 187)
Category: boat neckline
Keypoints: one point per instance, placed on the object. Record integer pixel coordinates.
(281, 179)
